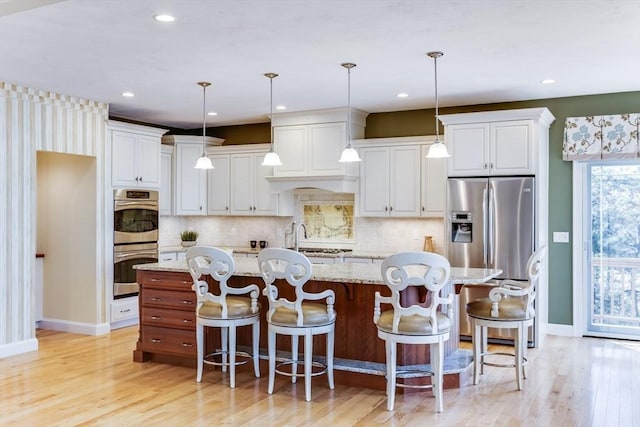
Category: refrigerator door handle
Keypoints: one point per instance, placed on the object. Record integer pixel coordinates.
(485, 226)
(491, 231)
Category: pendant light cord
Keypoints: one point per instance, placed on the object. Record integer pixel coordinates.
(348, 66)
(435, 73)
(204, 108)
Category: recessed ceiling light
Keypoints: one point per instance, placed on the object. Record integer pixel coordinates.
(402, 95)
(547, 81)
(128, 94)
(281, 107)
(164, 18)
(212, 113)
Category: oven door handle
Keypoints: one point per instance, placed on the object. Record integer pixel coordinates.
(126, 256)
(122, 205)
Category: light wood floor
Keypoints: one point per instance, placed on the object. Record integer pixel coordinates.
(83, 380)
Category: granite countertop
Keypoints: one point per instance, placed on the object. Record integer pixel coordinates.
(340, 272)
(247, 250)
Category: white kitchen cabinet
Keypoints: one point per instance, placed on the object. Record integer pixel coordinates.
(309, 150)
(166, 180)
(135, 155)
(172, 256)
(505, 147)
(390, 181)
(250, 192)
(218, 186)
(189, 184)
(124, 312)
(434, 185)
(310, 143)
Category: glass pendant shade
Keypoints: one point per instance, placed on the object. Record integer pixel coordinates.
(437, 150)
(271, 159)
(203, 161)
(350, 154)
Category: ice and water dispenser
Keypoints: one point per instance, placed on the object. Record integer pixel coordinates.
(461, 227)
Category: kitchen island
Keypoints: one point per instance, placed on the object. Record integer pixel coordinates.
(167, 319)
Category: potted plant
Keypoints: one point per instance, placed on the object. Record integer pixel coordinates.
(188, 238)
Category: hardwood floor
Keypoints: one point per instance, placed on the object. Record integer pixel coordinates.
(84, 380)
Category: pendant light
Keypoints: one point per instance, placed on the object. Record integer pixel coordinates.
(349, 154)
(203, 161)
(271, 158)
(437, 150)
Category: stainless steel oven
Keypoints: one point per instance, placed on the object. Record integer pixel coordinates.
(135, 216)
(135, 237)
(124, 258)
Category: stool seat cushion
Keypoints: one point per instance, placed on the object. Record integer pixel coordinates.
(414, 325)
(237, 307)
(314, 315)
(508, 309)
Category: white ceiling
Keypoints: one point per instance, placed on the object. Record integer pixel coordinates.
(495, 50)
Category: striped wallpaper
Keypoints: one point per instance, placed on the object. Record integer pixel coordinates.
(33, 120)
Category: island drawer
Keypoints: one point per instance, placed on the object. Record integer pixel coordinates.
(172, 299)
(182, 319)
(164, 340)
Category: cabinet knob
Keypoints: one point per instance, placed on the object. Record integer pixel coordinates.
(386, 208)
(226, 208)
(200, 207)
(485, 166)
(140, 179)
(390, 208)
(491, 165)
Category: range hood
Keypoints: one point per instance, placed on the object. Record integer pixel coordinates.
(335, 183)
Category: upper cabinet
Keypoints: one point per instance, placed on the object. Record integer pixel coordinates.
(250, 192)
(507, 142)
(310, 143)
(190, 184)
(397, 181)
(135, 155)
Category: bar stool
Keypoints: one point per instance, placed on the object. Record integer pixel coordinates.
(415, 324)
(230, 309)
(509, 306)
(296, 318)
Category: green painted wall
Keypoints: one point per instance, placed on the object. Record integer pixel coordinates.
(421, 122)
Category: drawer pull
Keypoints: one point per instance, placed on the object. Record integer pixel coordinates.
(155, 340)
(187, 344)
(155, 280)
(186, 301)
(156, 317)
(126, 310)
(187, 321)
(187, 282)
(156, 298)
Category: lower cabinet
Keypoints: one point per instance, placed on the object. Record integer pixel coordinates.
(167, 315)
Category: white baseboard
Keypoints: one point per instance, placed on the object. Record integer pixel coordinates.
(561, 330)
(15, 348)
(75, 327)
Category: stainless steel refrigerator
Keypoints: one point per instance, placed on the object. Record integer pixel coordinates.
(490, 224)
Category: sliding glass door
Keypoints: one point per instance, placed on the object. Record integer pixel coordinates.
(613, 236)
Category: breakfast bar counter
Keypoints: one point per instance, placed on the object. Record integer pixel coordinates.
(167, 318)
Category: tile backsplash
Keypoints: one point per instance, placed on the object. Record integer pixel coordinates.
(330, 222)
(370, 234)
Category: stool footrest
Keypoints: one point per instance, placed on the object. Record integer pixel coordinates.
(500, 365)
(208, 358)
(314, 364)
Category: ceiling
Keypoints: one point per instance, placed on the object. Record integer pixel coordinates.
(494, 51)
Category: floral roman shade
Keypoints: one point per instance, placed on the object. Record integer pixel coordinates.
(601, 137)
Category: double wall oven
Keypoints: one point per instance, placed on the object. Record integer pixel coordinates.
(135, 237)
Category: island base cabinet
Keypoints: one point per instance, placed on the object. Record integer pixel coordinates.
(167, 327)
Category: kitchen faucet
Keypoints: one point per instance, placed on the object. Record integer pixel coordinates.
(295, 230)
